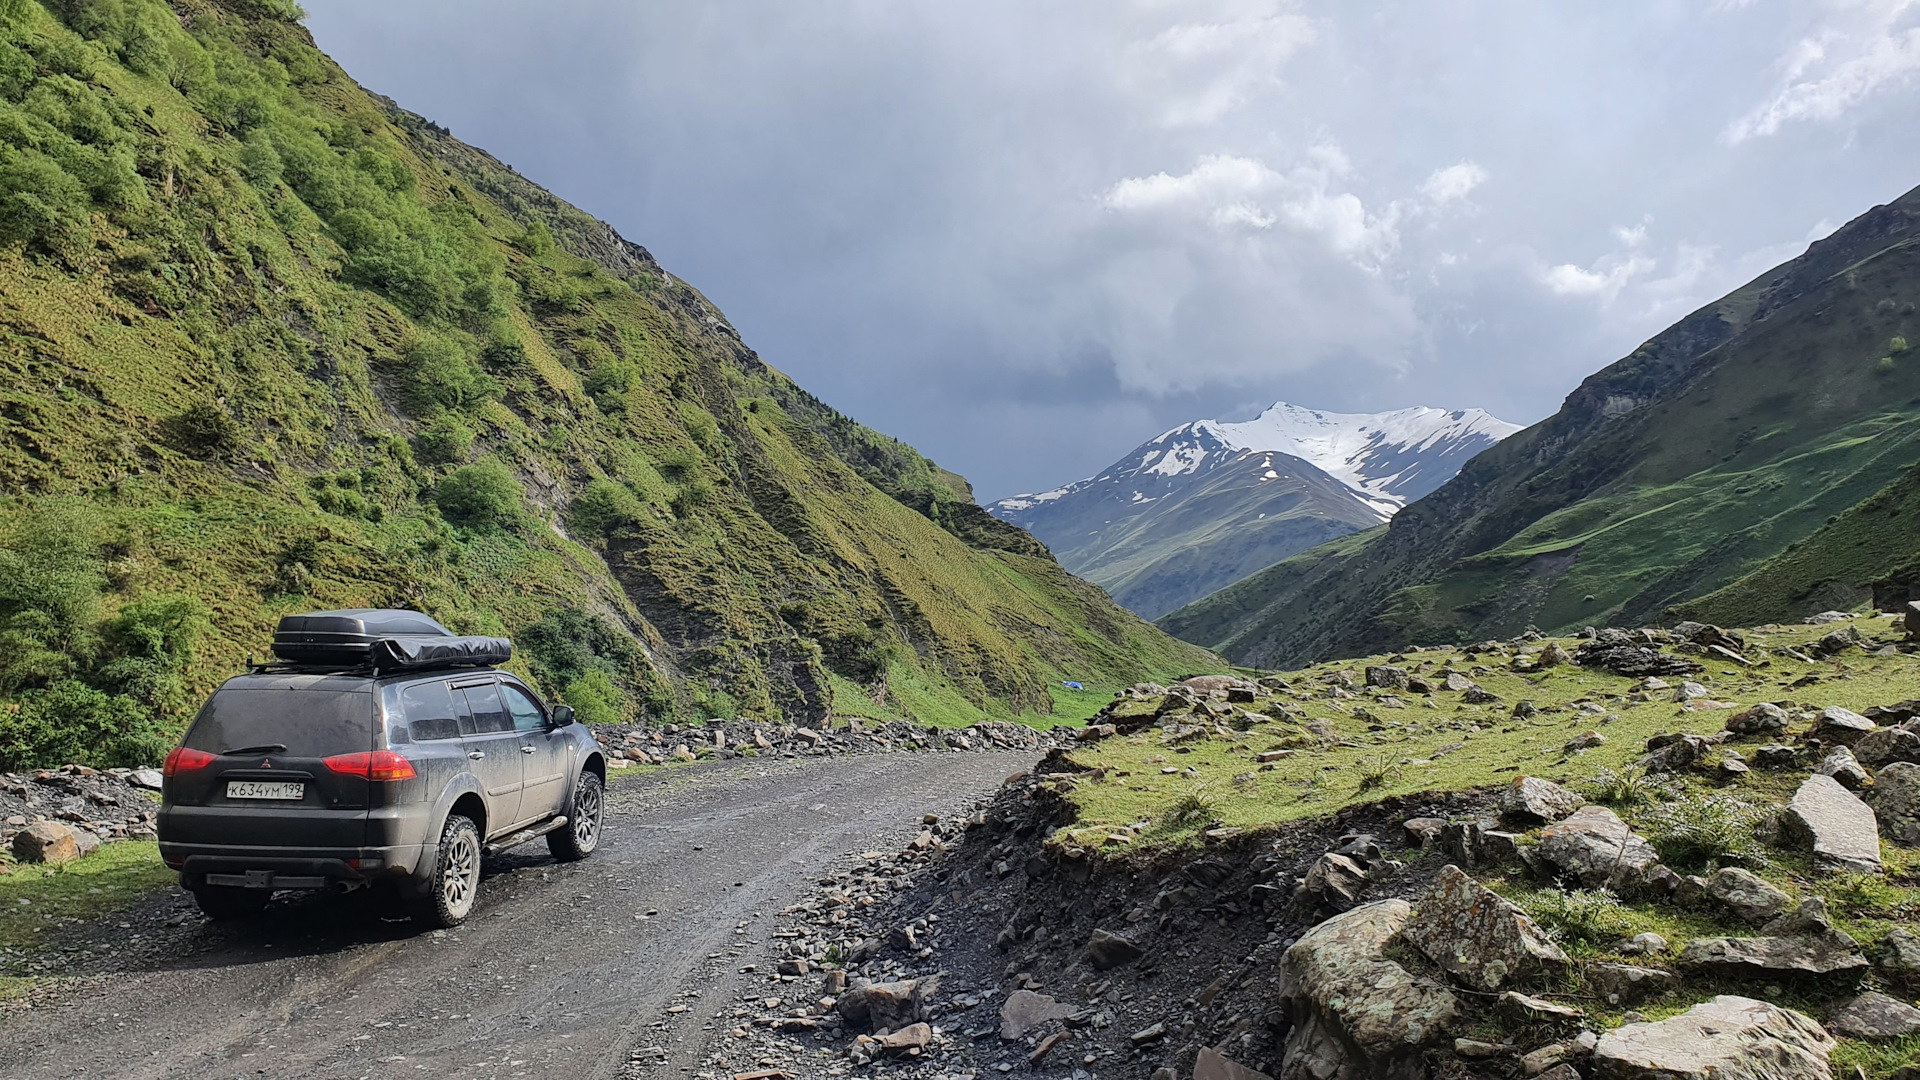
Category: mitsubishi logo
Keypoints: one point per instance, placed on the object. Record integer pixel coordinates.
(266, 763)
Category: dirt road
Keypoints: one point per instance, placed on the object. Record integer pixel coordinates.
(561, 971)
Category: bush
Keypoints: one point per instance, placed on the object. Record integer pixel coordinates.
(538, 240)
(484, 495)
(1595, 917)
(567, 644)
(445, 441)
(602, 508)
(437, 375)
(1630, 787)
(1196, 807)
(595, 699)
(70, 721)
(203, 430)
(1703, 831)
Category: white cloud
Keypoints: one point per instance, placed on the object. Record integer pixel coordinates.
(1198, 71)
(1453, 183)
(1830, 72)
(1604, 282)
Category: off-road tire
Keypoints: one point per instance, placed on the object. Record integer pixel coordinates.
(450, 893)
(230, 903)
(581, 834)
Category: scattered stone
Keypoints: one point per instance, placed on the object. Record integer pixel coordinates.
(1477, 935)
(1874, 1016)
(1560, 1055)
(1762, 719)
(1911, 619)
(1646, 944)
(1631, 660)
(1474, 1048)
(1728, 1038)
(1588, 741)
(1776, 756)
(1533, 799)
(907, 1040)
(1732, 766)
(1838, 641)
(1457, 682)
(1594, 846)
(1624, 984)
(1107, 950)
(1895, 800)
(1747, 895)
(1533, 1006)
(1387, 677)
(1353, 1011)
(1213, 1065)
(1334, 882)
(1678, 754)
(1888, 745)
(1839, 828)
(1782, 954)
(1560, 1072)
(149, 779)
(1478, 695)
(46, 842)
(1026, 1011)
(1843, 767)
(891, 1005)
(1150, 1034)
(1843, 726)
(1423, 832)
(1899, 957)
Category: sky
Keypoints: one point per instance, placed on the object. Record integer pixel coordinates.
(1028, 235)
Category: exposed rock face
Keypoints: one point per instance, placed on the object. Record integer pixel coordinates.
(1477, 935)
(1896, 802)
(1843, 726)
(1594, 846)
(1357, 1015)
(1763, 720)
(1107, 950)
(1623, 984)
(1874, 1016)
(1728, 1038)
(1888, 745)
(1746, 894)
(1532, 799)
(1838, 827)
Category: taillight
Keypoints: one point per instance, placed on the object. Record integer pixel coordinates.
(373, 764)
(182, 759)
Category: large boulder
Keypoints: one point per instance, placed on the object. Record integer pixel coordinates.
(1596, 848)
(1888, 745)
(46, 842)
(1899, 958)
(1845, 768)
(1911, 617)
(1874, 1016)
(1357, 1015)
(1728, 1038)
(1801, 944)
(1895, 800)
(1387, 677)
(1764, 719)
(1477, 935)
(1026, 1011)
(1843, 726)
(1836, 825)
(1747, 895)
(1532, 799)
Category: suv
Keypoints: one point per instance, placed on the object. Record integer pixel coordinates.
(311, 776)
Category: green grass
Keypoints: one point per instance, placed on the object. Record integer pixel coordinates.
(37, 898)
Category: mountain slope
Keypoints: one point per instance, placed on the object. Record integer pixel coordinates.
(1664, 477)
(270, 343)
(1208, 503)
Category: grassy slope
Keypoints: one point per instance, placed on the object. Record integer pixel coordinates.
(1135, 797)
(764, 546)
(1666, 476)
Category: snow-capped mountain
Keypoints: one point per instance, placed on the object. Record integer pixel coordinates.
(1209, 502)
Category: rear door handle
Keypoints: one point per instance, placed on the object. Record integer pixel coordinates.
(476, 754)
(526, 749)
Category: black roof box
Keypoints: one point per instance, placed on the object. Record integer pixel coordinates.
(344, 638)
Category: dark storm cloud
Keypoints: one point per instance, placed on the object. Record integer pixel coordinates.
(1026, 237)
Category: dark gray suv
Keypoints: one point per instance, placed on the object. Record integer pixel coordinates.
(294, 776)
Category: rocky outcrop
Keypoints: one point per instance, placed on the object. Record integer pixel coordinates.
(1746, 894)
(1836, 825)
(1843, 726)
(1533, 800)
(1728, 1038)
(1357, 1015)
(1476, 935)
(1874, 1016)
(1801, 944)
(1593, 846)
(1888, 745)
(1624, 984)
(1895, 800)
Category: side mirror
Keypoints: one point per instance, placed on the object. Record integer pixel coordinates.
(562, 715)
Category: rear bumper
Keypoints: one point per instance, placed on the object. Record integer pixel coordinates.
(282, 868)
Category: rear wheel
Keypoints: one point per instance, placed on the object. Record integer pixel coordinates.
(456, 876)
(581, 834)
(228, 903)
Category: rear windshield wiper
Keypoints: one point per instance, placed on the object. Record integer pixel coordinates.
(263, 748)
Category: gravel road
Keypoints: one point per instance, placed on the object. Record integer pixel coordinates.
(561, 971)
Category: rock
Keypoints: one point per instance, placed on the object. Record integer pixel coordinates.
(1728, 1038)
(1895, 800)
(1556, 1056)
(1474, 1048)
(1808, 919)
(1478, 695)
(891, 1005)
(1776, 756)
(1888, 745)
(1732, 766)
(1476, 935)
(794, 967)
(1899, 957)
(1562, 1071)
(145, 778)
(1387, 677)
(1423, 832)
(1838, 641)
(908, 1039)
(1762, 719)
(1213, 1065)
(1839, 828)
(1594, 846)
(1843, 767)
(1873, 1016)
(1624, 984)
(87, 841)
(1334, 882)
(1107, 950)
(1026, 1011)
(1911, 617)
(46, 842)
(1586, 741)
(1677, 755)
(1747, 895)
(1647, 944)
(1149, 1034)
(1353, 1011)
(1553, 656)
(1830, 955)
(1843, 726)
(1535, 1007)
(1457, 682)
(1530, 798)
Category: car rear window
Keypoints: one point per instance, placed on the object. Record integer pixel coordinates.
(429, 711)
(309, 723)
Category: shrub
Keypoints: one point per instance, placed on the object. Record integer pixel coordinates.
(602, 508)
(538, 240)
(1630, 787)
(70, 721)
(41, 205)
(1593, 916)
(611, 378)
(1195, 807)
(259, 161)
(437, 375)
(594, 698)
(483, 495)
(1375, 771)
(568, 643)
(1702, 831)
(445, 441)
(1896, 346)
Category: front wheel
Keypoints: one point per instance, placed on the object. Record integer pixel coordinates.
(581, 834)
(456, 876)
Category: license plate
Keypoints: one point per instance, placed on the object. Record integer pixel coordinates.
(255, 789)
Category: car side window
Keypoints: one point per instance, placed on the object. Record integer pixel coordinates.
(526, 715)
(489, 718)
(429, 710)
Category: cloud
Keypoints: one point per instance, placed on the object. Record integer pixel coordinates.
(1831, 72)
(1196, 72)
(1608, 276)
(1453, 183)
